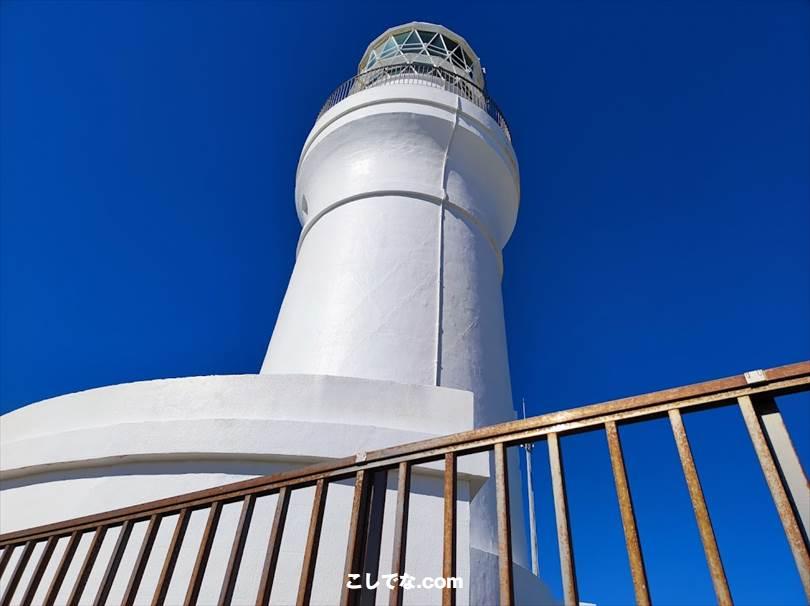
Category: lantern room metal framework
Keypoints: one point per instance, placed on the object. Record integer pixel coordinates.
(424, 43)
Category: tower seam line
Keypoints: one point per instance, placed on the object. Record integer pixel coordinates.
(440, 259)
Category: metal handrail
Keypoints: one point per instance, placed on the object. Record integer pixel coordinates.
(752, 393)
(423, 74)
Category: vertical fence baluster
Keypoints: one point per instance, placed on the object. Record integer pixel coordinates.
(170, 561)
(449, 557)
(507, 591)
(569, 577)
(786, 460)
(701, 511)
(19, 569)
(273, 547)
(313, 540)
(39, 571)
(373, 540)
(356, 543)
(628, 516)
(62, 568)
(401, 530)
(87, 566)
(203, 553)
(7, 551)
(780, 497)
(140, 562)
(237, 549)
(113, 564)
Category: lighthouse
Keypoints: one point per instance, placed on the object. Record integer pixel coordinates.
(407, 190)
(391, 330)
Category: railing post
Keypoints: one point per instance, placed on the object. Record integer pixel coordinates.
(273, 547)
(39, 571)
(787, 461)
(356, 542)
(704, 522)
(401, 530)
(17, 574)
(87, 566)
(62, 568)
(140, 563)
(7, 551)
(113, 564)
(313, 540)
(780, 496)
(169, 562)
(567, 570)
(203, 553)
(507, 591)
(371, 555)
(628, 516)
(238, 547)
(449, 557)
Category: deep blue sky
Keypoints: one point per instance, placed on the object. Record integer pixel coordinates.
(147, 158)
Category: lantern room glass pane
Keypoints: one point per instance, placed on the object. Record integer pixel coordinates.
(467, 59)
(389, 49)
(412, 40)
(436, 52)
(426, 36)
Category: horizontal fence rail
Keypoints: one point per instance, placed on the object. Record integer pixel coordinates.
(752, 394)
(422, 74)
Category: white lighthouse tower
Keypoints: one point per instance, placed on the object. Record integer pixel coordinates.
(407, 190)
(391, 330)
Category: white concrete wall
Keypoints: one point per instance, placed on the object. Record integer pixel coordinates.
(199, 426)
(106, 448)
(406, 194)
(411, 192)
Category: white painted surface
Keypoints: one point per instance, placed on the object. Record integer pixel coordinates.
(116, 446)
(200, 424)
(296, 418)
(410, 194)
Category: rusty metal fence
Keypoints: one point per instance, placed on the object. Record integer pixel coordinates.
(752, 393)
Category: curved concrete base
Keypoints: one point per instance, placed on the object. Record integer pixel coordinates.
(116, 446)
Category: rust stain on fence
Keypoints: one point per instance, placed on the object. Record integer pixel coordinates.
(628, 516)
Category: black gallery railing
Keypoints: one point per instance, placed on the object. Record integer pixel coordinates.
(422, 74)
